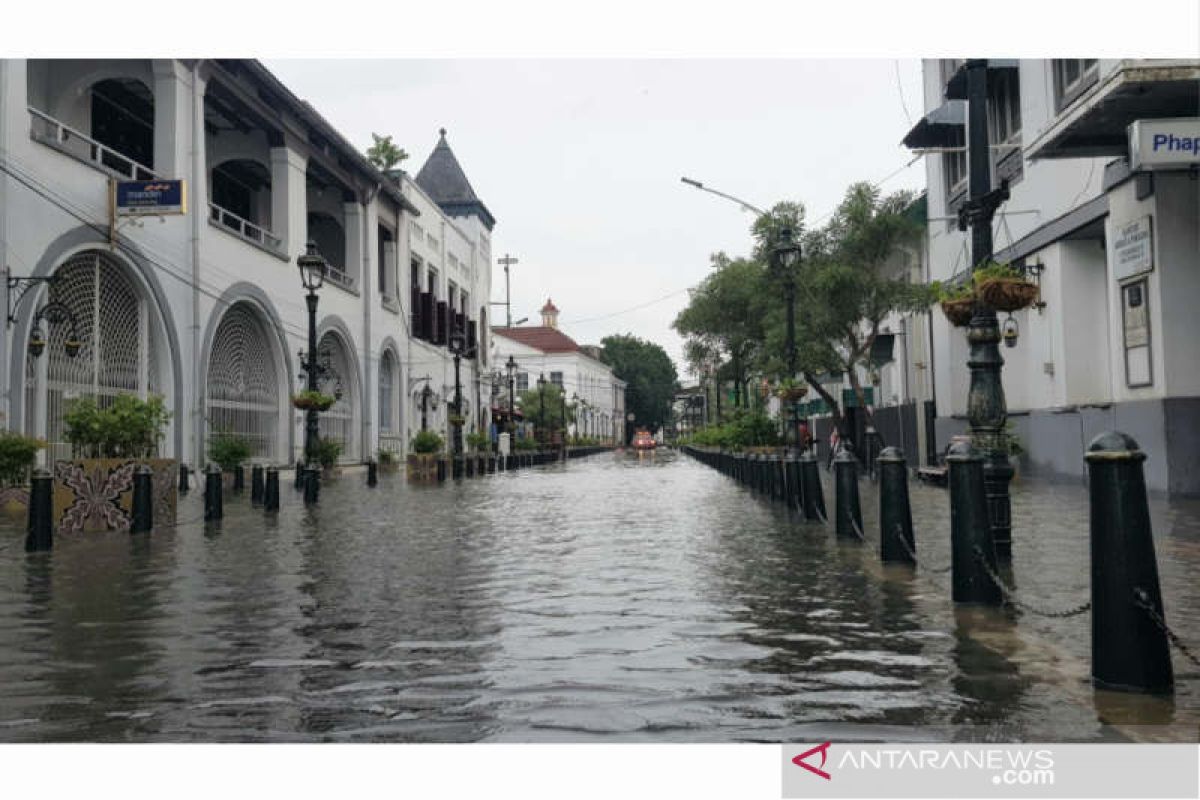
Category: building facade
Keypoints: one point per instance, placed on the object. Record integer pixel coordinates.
(1111, 235)
(546, 352)
(206, 307)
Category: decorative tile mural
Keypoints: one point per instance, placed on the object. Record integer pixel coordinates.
(96, 494)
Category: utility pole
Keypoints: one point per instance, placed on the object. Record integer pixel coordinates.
(986, 408)
(506, 262)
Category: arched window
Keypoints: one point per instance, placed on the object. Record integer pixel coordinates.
(243, 382)
(120, 353)
(387, 410)
(339, 423)
(123, 120)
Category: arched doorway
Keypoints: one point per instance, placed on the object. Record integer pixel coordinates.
(340, 423)
(243, 386)
(390, 438)
(122, 347)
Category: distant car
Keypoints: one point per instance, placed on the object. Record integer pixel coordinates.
(642, 440)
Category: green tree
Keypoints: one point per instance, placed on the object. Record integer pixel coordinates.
(544, 408)
(384, 154)
(650, 378)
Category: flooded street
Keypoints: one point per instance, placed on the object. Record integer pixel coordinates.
(616, 598)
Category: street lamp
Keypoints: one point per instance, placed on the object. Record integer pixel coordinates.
(541, 384)
(511, 366)
(785, 259)
(426, 394)
(458, 343)
(312, 276)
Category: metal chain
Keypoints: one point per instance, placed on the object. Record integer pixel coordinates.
(912, 554)
(1010, 595)
(1141, 599)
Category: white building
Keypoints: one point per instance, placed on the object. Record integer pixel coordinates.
(1114, 245)
(206, 308)
(545, 351)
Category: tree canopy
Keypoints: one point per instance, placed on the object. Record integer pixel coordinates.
(544, 407)
(384, 154)
(650, 377)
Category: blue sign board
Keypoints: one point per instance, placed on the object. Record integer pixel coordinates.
(150, 197)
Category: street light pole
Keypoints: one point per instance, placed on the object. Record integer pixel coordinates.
(507, 261)
(511, 366)
(457, 343)
(785, 260)
(986, 407)
(541, 407)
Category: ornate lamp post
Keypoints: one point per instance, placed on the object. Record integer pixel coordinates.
(458, 343)
(312, 275)
(426, 395)
(541, 384)
(511, 366)
(785, 259)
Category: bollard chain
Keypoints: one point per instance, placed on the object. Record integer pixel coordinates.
(1010, 595)
(912, 554)
(1141, 599)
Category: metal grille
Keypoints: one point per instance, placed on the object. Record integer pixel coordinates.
(338, 423)
(243, 383)
(386, 411)
(117, 357)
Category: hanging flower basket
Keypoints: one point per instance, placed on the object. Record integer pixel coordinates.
(1007, 294)
(792, 394)
(308, 400)
(959, 311)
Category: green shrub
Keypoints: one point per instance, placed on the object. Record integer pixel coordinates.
(128, 427)
(385, 457)
(427, 441)
(479, 440)
(327, 451)
(17, 456)
(228, 451)
(525, 444)
(996, 271)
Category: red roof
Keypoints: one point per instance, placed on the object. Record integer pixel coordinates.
(546, 339)
(549, 306)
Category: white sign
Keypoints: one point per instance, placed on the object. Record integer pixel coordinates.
(1133, 249)
(1164, 143)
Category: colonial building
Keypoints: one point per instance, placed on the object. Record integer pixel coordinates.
(1104, 214)
(546, 352)
(206, 307)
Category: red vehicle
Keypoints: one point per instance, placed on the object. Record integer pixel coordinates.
(642, 440)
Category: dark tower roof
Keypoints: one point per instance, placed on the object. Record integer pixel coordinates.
(443, 179)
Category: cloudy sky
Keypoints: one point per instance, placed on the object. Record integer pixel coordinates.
(580, 160)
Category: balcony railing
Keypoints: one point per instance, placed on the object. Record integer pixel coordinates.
(339, 278)
(47, 130)
(244, 228)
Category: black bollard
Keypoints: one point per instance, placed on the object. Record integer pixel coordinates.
(239, 479)
(299, 483)
(312, 485)
(1130, 652)
(441, 470)
(845, 483)
(183, 478)
(372, 474)
(256, 484)
(143, 499)
(972, 552)
(814, 495)
(214, 503)
(40, 531)
(895, 514)
(271, 490)
(795, 486)
(491, 464)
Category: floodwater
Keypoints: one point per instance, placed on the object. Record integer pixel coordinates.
(616, 598)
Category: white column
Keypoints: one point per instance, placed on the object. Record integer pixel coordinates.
(352, 219)
(172, 118)
(289, 199)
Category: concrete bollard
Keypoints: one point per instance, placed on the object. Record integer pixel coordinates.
(271, 490)
(143, 500)
(895, 513)
(256, 484)
(299, 483)
(239, 479)
(312, 485)
(39, 533)
(810, 480)
(845, 483)
(214, 490)
(970, 530)
(372, 474)
(1130, 651)
(183, 478)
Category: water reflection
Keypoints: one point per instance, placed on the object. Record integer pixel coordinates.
(626, 597)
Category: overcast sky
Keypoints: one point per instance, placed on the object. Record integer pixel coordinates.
(580, 161)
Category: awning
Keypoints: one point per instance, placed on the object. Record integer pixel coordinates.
(956, 87)
(942, 127)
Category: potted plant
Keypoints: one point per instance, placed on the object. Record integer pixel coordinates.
(94, 490)
(17, 456)
(327, 453)
(423, 456)
(957, 302)
(479, 441)
(1004, 288)
(387, 460)
(228, 451)
(306, 399)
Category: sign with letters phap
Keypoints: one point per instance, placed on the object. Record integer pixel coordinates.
(133, 198)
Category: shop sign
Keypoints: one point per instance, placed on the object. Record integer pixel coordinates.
(1133, 249)
(1164, 143)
